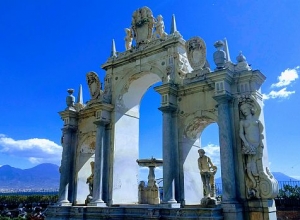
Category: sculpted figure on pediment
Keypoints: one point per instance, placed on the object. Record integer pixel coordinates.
(128, 38)
(142, 25)
(159, 28)
(94, 85)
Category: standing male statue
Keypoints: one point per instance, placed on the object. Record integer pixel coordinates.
(207, 172)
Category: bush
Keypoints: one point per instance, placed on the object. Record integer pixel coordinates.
(291, 192)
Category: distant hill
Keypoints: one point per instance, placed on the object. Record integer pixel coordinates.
(278, 176)
(44, 176)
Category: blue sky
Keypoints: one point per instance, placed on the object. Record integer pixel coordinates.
(48, 46)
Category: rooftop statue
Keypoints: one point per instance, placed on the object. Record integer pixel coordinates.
(128, 39)
(159, 28)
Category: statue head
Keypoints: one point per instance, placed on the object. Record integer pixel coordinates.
(201, 152)
(247, 108)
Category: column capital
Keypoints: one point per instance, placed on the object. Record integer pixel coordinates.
(223, 98)
(101, 122)
(168, 88)
(67, 128)
(168, 108)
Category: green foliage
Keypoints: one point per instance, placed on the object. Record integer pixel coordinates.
(27, 199)
(289, 191)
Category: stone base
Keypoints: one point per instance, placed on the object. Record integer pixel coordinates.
(261, 209)
(132, 212)
(63, 204)
(232, 211)
(208, 202)
(97, 204)
(171, 205)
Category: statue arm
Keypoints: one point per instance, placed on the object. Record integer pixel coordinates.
(242, 133)
(210, 163)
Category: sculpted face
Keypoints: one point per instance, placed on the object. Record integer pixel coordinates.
(201, 153)
(246, 109)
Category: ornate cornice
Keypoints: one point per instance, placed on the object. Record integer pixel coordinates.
(152, 48)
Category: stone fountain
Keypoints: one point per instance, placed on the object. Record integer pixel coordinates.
(149, 194)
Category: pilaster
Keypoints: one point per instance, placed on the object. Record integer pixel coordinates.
(170, 142)
(66, 187)
(231, 208)
(102, 119)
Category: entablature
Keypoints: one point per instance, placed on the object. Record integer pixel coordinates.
(152, 48)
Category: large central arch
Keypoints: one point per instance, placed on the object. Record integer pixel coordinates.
(126, 134)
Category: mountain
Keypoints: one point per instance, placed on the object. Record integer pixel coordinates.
(277, 175)
(41, 177)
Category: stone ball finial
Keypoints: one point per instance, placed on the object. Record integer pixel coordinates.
(70, 100)
(242, 63)
(219, 44)
(241, 57)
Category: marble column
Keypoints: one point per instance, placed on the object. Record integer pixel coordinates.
(231, 208)
(98, 167)
(106, 165)
(169, 157)
(66, 165)
(226, 149)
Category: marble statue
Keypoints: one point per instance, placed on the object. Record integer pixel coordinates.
(251, 134)
(128, 39)
(90, 181)
(207, 172)
(94, 85)
(159, 28)
(107, 89)
(260, 182)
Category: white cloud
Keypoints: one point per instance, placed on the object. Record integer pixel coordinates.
(284, 80)
(283, 93)
(286, 77)
(34, 150)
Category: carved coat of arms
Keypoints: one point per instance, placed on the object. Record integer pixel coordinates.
(142, 25)
(94, 84)
(196, 52)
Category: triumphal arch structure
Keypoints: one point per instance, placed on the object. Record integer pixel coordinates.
(99, 169)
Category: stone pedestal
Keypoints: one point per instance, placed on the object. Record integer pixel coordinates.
(261, 209)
